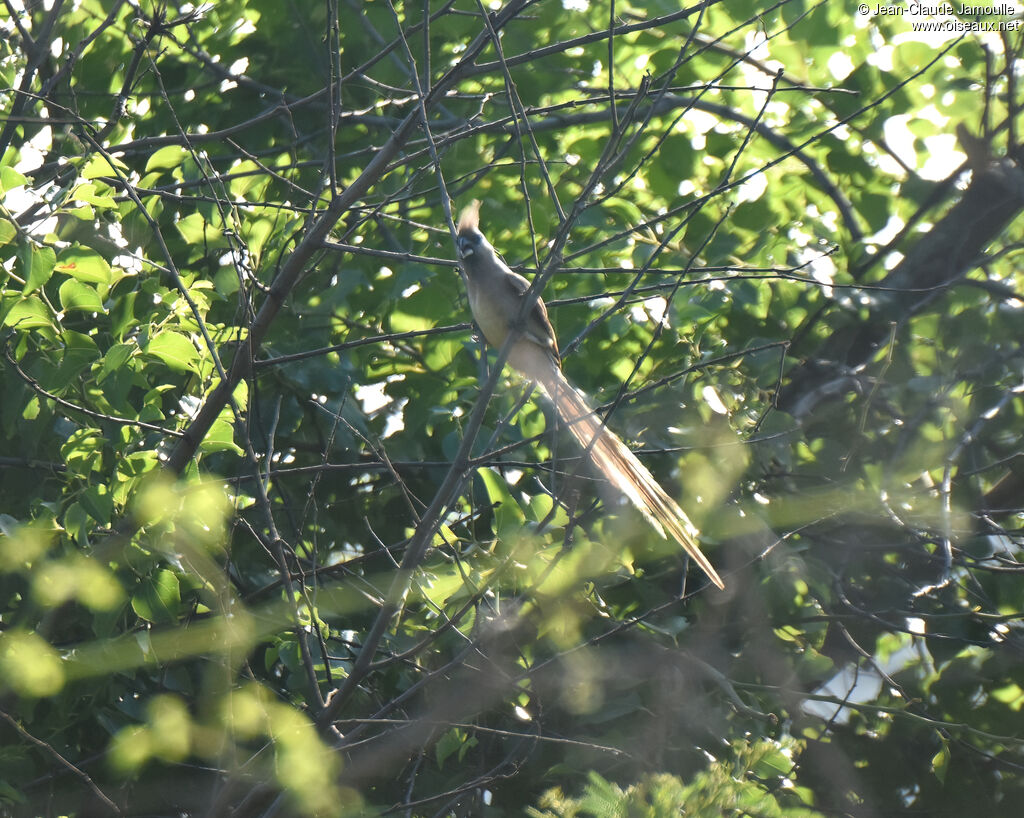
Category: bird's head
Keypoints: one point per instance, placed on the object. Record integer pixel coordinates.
(470, 241)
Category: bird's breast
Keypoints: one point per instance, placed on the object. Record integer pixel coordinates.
(492, 320)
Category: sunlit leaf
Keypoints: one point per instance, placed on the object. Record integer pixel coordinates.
(158, 599)
(174, 349)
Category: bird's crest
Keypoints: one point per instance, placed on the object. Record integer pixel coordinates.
(469, 218)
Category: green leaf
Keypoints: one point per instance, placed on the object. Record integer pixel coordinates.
(7, 231)
(115, 359)
(89, 194)
(508, 516)
(26, 313)
(221, 437)
(76, 296)
(197, 230)
(226, 281)
(98, 504)
(85, 265)
(82, 450)
(99, 166)
(170, 156)
(38, 263)
(247, 177)
(80, 351)
(78, 524)
(455, 740)
(158, 599)
(174, 349)
(940, 762)
(11, 179)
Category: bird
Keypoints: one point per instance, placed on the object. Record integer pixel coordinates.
(495, 296)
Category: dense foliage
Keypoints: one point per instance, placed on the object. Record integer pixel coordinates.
(277, 538)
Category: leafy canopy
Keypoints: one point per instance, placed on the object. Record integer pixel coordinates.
(275, 536)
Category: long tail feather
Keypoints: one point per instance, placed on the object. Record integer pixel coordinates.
(618, 464)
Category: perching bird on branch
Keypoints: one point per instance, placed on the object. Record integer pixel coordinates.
(495, 296)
